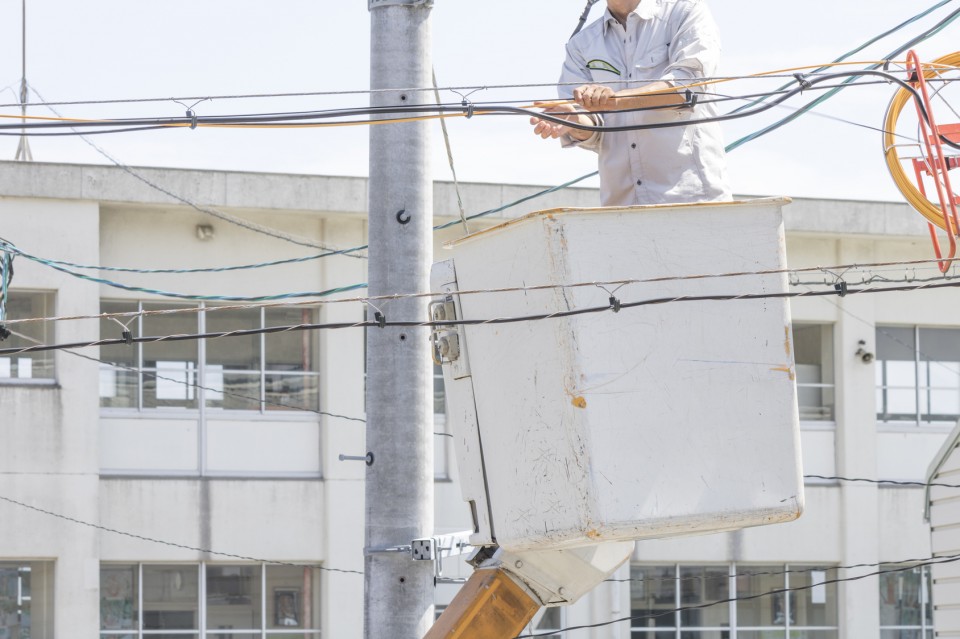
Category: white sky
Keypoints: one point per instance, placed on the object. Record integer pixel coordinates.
(103, 49)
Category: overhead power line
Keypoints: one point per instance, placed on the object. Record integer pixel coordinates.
(615, 306)
(729, 600)
(163, 542)
(837, 272)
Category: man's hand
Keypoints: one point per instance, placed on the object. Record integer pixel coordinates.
(595, 97)
(546, 129)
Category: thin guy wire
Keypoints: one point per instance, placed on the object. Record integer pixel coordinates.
(134, 369)
(162, 542)
(453, 169)
(226, 217)
(439, 227)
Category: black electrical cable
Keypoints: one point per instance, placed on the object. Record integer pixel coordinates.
(839, 290)
(281, 119)
(776, 591)
(583, 17)
(912, 42)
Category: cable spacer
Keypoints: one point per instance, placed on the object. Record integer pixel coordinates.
(841, 288)
(614, 304)
(380, 319)
(470, 108)
(690, 97)
(127, 337)
(193, 118)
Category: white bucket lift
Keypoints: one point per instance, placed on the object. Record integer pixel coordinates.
(648, 418)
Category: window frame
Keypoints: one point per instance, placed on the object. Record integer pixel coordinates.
(734, 570)
(926, 602)
(824, 387)
(200, 387)
(882, 388)
(201, 631)
(50, 331)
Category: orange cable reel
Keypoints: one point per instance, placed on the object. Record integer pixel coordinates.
(932, 164)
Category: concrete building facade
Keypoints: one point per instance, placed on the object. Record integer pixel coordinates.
(194, 488)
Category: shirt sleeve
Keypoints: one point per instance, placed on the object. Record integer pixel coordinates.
(574, 74)
(695, 49)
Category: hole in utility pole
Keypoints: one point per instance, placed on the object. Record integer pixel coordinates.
(403, 98)
(403, 337)
(403, 579)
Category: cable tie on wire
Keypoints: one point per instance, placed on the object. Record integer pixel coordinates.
(193, 118)
(4, 332)
(841, 288)
(615, 304)
(690, 98)
(802, 81)
(127, 337)
(380, 318)
(469, 106)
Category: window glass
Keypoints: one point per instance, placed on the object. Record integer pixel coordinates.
(118, 597)
(918, 374)
(26, 600)
(653, 597)
(762, 611)
(174, 363)
(233, 600)
(905, 601)
(250, 373)
(546, 620)
(291, 351)
(28, 366)
(238, 353)
(816, 603)
(293, 598)
(813, 346)
(170, 597)
(120, 384)
(704, 586)
(234, 596)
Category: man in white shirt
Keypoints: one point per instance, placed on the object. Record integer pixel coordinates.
(642, 53)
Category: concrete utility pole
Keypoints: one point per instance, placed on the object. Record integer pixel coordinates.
(398, 592)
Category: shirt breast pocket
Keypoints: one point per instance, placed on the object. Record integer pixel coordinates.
(653, 57)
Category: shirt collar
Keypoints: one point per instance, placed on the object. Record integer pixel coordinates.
(644, 11)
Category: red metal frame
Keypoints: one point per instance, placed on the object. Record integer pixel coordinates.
(935, 163)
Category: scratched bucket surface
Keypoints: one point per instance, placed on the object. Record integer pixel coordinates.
(658, 420)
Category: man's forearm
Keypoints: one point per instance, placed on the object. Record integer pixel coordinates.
(656, 94)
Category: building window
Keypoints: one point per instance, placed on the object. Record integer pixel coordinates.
(263, 373)
(813, 347)
(210, 601)
(545, 621)
(918, 374)
(28, 368)
(706, 602)
(906, 611)
(26, 597)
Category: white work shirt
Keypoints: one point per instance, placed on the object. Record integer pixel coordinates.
(675, 41)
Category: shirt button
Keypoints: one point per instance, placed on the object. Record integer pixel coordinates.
(639, 182)
(633, 146)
